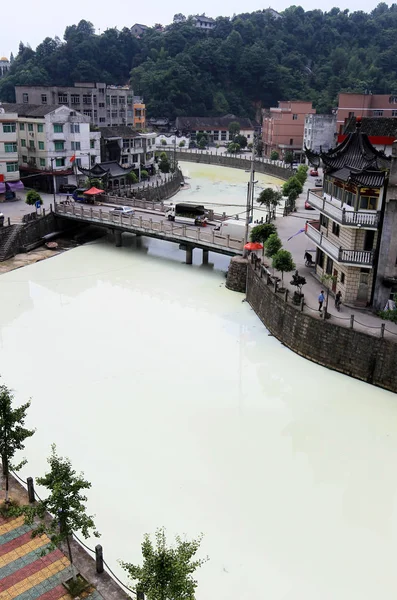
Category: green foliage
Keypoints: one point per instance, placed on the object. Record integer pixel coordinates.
(234, 129)
(32, 197)
(272, 245)
(258, 147)
(12, 432)
(167, 572)
(66, 503)
(202, 137)
(182, 144)
(389, 315)
(233, 148)
(163, 142)
(202, 143)
(165, 165)
(96, 182)
(298, 281)
(274, 155)
(269, 198)
(293, 187)
(241, 140)
(261, 233)
(144, 174)
(282, 261)
(301, 174)
(289, 157)
(132, 178)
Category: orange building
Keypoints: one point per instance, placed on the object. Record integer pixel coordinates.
(139, 114)
(283, 127)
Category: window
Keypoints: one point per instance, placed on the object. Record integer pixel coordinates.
(102, 119)
(349, 198)
(23, 143)
(32, 161)
(378, 113)
(101, 90)
(394, 113)
(368, 203)
(87, 112)
(40, 128)
(114, 114)
(294, 117)
(44, 98)
(75, 99)
(113, 100)
(74, 127)
(76, 146)
(124, 159)
(342, 278)
(60, 162)
(223, 135)
(58, 128)
(87, 99)
(41, 145)
(92, 144)
(351, 114)
(369, 239)
(335, 228)
(25, 98)
(121, 99)
(42, 162)
(21, 126)
(291, 141)
(101, 105)
(94, 99)
(330, 266)
(24, 159)
(59, 145)
(323, 221)
(9, 127)
(12, 167)
(107, 99)
(320, 258)
(62, 98)
(12, 147)
(30, 126)
(130, 100)
(31, 144)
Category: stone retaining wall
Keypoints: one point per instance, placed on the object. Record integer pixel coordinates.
(348, 351)
(223, 160)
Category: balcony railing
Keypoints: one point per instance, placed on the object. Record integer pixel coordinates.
(348, 218)
(356, 258)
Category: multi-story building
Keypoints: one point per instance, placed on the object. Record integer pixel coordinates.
(105, 105)
(128, 147)
(382, 131)
(319, 133)
(139, 121)
(356, 235)
(216, 128)
(283, 127)
(364, 105)
(53, 139)
(9, 166)
(4, 66)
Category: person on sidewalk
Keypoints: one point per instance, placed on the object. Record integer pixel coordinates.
(321, 299)
(338, 300)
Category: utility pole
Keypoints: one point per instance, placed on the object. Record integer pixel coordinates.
(250, 197)
(53, 179)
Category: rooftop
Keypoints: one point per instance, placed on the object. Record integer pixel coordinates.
(375, 126)
(118, 131)
(203, 123)
(29, 110)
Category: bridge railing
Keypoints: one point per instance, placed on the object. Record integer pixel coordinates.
(146, 225)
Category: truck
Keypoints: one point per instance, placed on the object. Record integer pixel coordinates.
(190, 214)
(233, 228)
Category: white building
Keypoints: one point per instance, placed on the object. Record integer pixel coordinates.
(9, 167)
(319, 132)
(128, 147)
(52, 138)
(203, 22)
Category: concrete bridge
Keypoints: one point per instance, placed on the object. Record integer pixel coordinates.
(156, 226)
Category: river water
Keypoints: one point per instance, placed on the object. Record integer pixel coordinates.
(168, 392)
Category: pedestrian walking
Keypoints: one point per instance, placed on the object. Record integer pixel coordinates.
(321, 299)
(338, 300)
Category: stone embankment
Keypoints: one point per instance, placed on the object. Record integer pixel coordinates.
(346, 350)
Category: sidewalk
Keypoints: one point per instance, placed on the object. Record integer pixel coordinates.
(364, 320)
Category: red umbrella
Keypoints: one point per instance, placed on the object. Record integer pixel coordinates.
(93, 191)
(253, 246)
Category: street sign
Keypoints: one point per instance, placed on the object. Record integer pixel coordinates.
(38, 204)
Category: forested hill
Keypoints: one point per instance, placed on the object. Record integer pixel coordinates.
(249, 61)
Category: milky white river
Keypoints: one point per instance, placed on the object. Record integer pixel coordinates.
(168, 392)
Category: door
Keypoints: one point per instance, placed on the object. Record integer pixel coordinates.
(362, 292)
(334, 281)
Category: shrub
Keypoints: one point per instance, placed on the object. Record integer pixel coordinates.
(182, 144)
(32, 197)
(274, 155)
(144, 174)
(163, 142)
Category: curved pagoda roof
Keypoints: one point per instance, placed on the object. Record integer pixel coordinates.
(110, 168)
(355, 160)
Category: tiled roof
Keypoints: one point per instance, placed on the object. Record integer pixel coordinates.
(375, 126)
(110, 168)
(203, 123)
(118, 131)
(29, 110)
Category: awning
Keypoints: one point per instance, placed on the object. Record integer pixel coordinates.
(2, 187)
(15, 185)
(93, 192)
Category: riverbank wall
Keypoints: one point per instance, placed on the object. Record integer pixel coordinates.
(341, 349)
(212, 158)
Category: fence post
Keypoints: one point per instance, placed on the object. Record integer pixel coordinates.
(31, 496)
(99, 558)
(351, 321)
(286, 296)
(302, 304)
(382, 330)
(275, 285)
(43, 212)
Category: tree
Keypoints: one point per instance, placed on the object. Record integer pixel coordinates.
(144, 174)
(233, 148)
(274, 155)
(32, 197)
(258, 147)
(167, 572)
(241, 140)
(12, 433)
(66, 504)
(272, 245)
(298, 281)
(261, 233)
(164, 164)
(282, 261)
(234, 129)
(292, 188)
(301, 173)
(202, 143)
(182, 144)
(96, 182)
(163, 142)
(289, 157)
(132, 178)
(269, 198)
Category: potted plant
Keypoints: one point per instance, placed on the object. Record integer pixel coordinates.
(298, 281)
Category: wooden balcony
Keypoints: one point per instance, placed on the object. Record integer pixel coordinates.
(345, 216)
(354, 258)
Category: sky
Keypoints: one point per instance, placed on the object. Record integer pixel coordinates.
(31, 22)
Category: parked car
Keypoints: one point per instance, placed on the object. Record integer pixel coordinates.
(314, 172)
(308, 206)
(318, 182)
(122, 210)
(67, 188)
